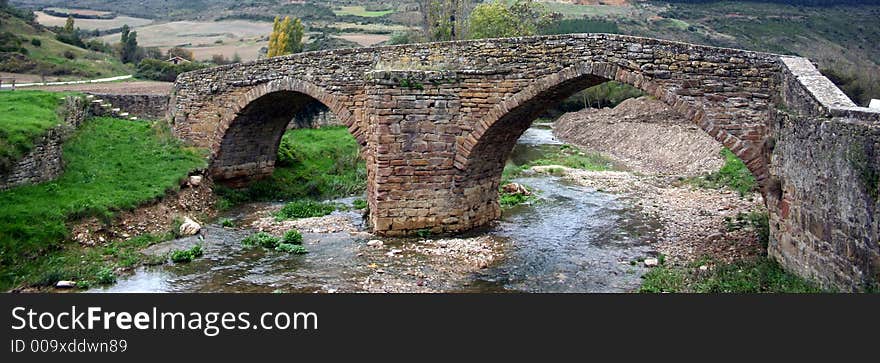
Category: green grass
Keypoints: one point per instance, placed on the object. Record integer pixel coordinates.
(24, 117)
(759, 275)
(304, 209)
(734, 175)
(571, 157)
(111, 165)
(49, 59)
(361, 11)
(312, 163)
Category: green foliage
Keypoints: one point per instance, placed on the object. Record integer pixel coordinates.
(312, 163)
(286, 37)
(410, 83)
(261, 239)
(291, 248)
(227, 223)
(508, 200)
(186, 256)
(734, 175)
(157, 70)
(760, 275)
(105, 276)
(129, 45)
(304, 208)
(424, 233)
(25, 116)
(360, 204)
(293, 237)
(497, 19)
(608, 94)
(571, 157)
(111, 165)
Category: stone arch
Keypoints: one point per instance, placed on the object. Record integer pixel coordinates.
(482, 153)
(250, 131)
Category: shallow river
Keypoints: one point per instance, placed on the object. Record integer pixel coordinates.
(573, 239)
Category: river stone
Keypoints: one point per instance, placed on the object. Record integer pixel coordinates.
(375, 243)
(189, 227)
(195, 180)
(652, 262)
(65, 284)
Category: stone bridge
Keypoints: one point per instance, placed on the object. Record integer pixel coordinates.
(437, 121)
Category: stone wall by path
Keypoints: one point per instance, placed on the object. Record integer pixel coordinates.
(146, 106)
(45, 162)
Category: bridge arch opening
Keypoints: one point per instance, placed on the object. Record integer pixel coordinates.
(486, 152)
(248, 149)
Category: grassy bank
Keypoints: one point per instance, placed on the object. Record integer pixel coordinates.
(734, 175)
(24, 117)
(312, 164)
(111, 165)
(760, 275)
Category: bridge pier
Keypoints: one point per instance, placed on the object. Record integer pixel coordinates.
(413, 125)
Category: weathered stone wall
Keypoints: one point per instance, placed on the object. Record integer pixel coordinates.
(146, 106)
(44, 162)
(823, 199)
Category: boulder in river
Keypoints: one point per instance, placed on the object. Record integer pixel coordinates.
(189, 227)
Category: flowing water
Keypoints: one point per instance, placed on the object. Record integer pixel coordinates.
(573, 239)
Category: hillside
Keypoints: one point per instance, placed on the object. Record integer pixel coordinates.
(28, 48)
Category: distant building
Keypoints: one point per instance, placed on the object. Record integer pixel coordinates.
(874, 104)
(177, 60)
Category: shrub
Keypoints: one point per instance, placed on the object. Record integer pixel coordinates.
(261, 239)
(105, 276)
(227, 223)
(304, 209)
(360, 204)
(185, 256)
(291, 248)
(158, 70)
(69, 55)
(36, 42)
(293, 237)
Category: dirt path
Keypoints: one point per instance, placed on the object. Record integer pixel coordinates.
(134, 87)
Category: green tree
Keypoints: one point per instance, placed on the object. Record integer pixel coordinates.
(69, 24)
(128, 45)
(497, 19)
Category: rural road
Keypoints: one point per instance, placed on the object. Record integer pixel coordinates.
(34, 84)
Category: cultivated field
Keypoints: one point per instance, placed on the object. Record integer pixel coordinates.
(92, 24)
(361, 11)
(364, 39)
(205, 38)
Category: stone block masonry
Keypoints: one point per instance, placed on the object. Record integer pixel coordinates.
(437, 121)
(45, 162)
